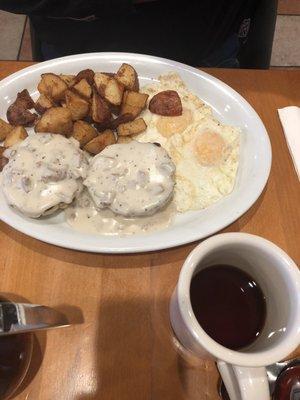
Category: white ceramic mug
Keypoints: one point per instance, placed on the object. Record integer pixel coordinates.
(243, 372)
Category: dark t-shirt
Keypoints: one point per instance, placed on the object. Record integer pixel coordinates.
(185, 31)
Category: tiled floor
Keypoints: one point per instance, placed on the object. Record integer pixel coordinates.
(15, 36)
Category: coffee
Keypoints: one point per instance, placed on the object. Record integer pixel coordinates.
(229, 305)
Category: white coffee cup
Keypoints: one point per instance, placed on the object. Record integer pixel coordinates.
(243, 372)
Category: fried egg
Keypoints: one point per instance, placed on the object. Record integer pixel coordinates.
(205, 152)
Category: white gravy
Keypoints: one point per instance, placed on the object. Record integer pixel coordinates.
(83, 216)
(132, 179)
(44, 171)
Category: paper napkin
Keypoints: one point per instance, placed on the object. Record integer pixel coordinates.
(290, 120)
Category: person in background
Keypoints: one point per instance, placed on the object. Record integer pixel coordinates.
(205, 33)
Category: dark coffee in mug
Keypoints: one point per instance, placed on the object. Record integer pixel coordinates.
(229, 305)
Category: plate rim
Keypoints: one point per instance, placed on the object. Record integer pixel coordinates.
(192, 237)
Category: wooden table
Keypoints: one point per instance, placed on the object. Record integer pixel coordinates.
(124, 349)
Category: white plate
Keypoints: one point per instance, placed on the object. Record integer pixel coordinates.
(228, 106)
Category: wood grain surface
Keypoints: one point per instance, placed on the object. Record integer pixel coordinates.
(124, 348)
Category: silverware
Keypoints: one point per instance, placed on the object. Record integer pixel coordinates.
(21, 317)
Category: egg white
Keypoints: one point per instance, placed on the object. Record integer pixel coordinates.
(197, 186)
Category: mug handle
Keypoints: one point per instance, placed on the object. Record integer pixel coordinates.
(244, 383)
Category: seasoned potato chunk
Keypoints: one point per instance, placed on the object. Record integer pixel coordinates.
(132, 127)
(68, 79)
(18, 134)
(166, 103)
(3, 160)
(5, 128)
(52, 86)
(87, 74)
(77, 105)
(124, 139)
(113, 92)
(55, 120)
(24, 99)
(101, 80)
(83, 132)
(43, 103)
(18, 112)
(128, 77)
(100, 110)
(83, 88)
(133, 103)
(99, 143)
(109, 88)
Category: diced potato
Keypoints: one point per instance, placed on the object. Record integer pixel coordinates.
(100, 111)
(5, 128)
(109, 88)
(77, 105)
(132, 127)
(83, 88)
(113, 92)
(18, 112)
(166, 103)
(99, 143)
(124, 139)
(52, 86)
(18, 134)
(113, 123)
(43, 103)
(68, 79)
(87, 74)
(55, 120)
(17, 115)
(24, 99)
(121, 119)
(83, 132)
(128, 77)
(101, 80)
(133, 103)
(3, 160)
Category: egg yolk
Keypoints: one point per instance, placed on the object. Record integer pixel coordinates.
(209, 148)
(167, 126)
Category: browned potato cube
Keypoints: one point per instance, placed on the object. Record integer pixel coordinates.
(43, 103)
(18, 134)
(3, 160)
(99, 143)
(100, 111)
(101, 80)
(133, 103)
(124, 139)
(18, 114)
(128, 77)
(52, 86)
(132, 127)
(77, 105)
(87, 74)
(109, 88)
(55, 120)
(68, 79)
(24, 99)
(83, 132)
(113, 92)
(83, 88)
(5, 128)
